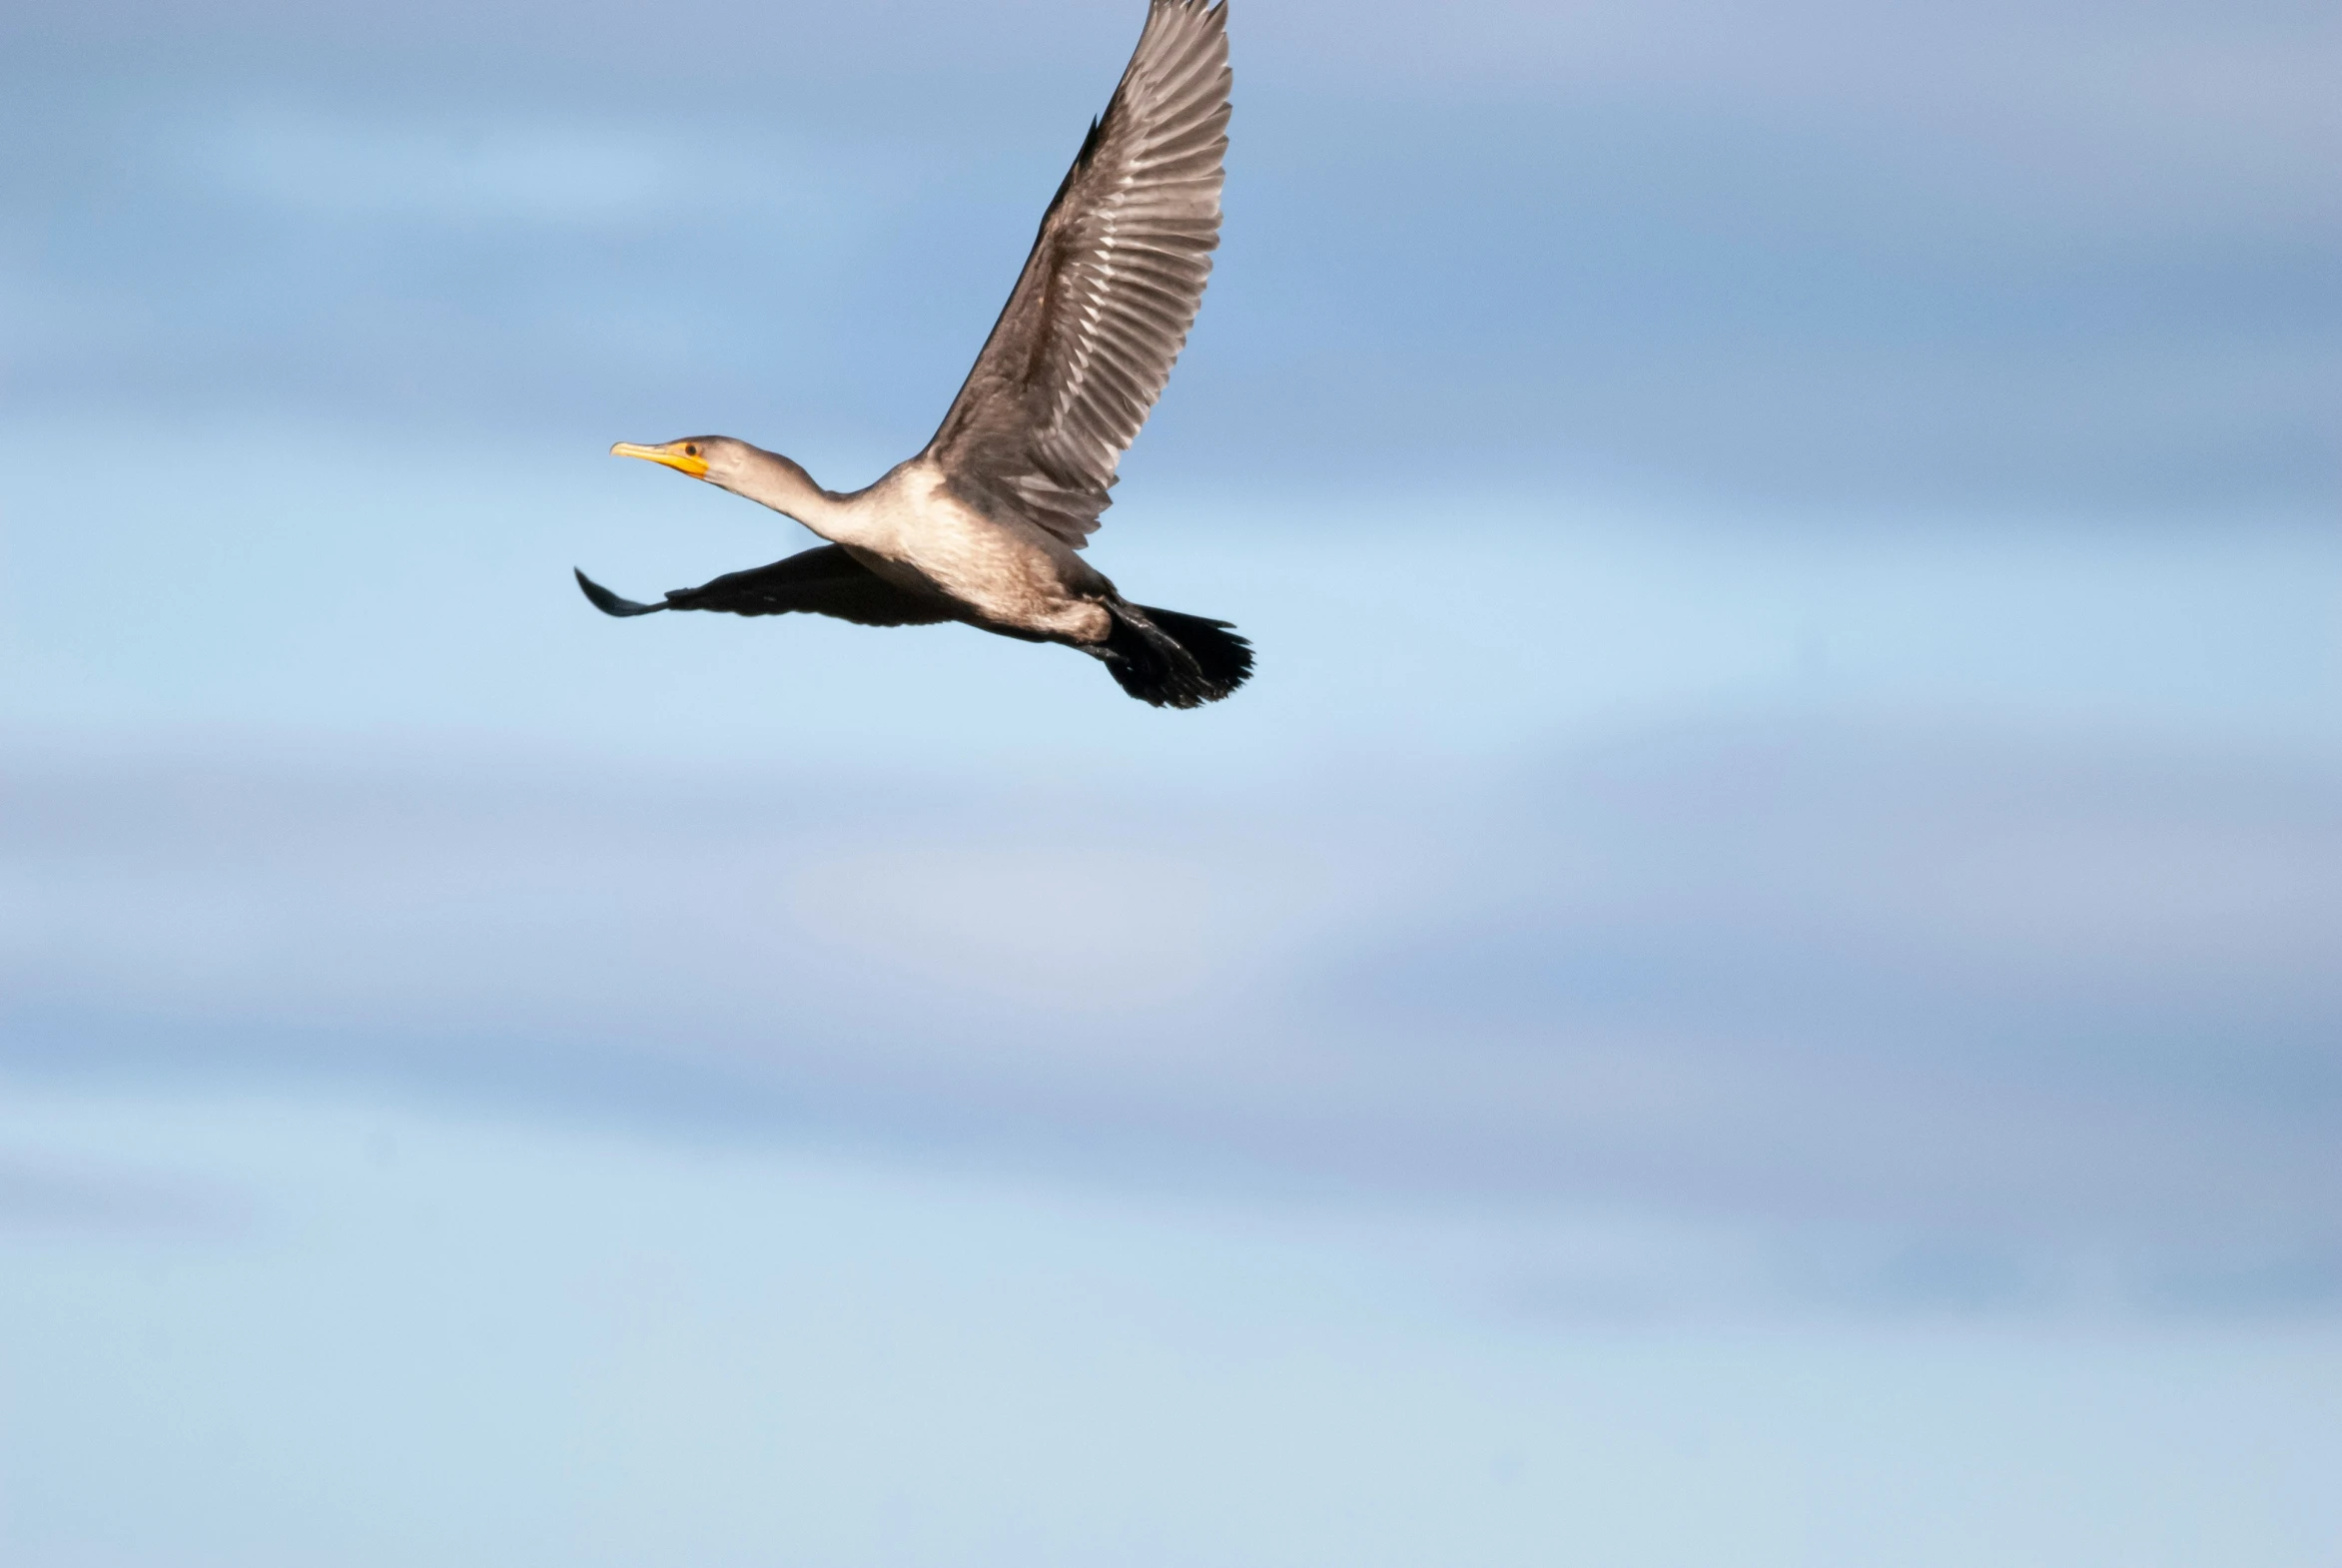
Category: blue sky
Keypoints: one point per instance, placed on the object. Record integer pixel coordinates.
(1763, 940)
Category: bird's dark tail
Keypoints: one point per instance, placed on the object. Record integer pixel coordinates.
(1174, 660)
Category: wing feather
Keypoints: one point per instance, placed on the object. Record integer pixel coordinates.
(1098, 314)
(824, 580)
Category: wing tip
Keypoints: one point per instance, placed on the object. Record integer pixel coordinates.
(607, 602)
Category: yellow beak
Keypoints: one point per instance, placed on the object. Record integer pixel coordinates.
(673, 455)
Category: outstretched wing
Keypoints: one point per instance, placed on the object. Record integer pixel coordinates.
(1103, 305)
(821, 582)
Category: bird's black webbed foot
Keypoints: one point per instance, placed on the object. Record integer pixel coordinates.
(1170, 660)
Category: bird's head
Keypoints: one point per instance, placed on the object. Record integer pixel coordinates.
(715, 459)
(765, 477)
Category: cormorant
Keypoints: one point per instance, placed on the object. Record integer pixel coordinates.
(984, 526)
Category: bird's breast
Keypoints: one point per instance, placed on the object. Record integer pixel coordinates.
(920, 537)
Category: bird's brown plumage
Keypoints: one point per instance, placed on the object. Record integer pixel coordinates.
(1103, 305)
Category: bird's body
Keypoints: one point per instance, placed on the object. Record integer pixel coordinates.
(985, 526)
(912, 531)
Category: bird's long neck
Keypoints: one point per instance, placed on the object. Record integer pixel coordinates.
(774, 481)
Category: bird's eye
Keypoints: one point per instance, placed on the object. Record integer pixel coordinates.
(690, 452)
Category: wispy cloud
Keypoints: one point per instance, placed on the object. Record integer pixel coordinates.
(2036, 996)
(1822, 254)
(344, 167)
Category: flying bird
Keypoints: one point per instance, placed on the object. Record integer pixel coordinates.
(984, 526)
